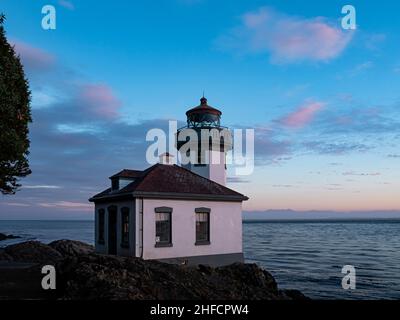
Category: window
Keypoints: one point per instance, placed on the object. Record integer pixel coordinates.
(125, 227)
(101, 226)
(163, 227)
(202, 226)
(115, 184)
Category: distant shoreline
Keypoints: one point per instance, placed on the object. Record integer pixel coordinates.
(321, 220)
(246, 220)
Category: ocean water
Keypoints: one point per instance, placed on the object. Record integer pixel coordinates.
(303, 255)
(309, 256)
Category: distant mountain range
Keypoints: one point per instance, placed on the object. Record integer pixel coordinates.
(317, 215)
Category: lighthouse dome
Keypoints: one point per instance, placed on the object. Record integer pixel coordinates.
(203, 115)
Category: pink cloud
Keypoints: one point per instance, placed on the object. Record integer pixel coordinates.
(302, 115)
(33, 58)
(66, 4)
(100, 100)
(288, 38)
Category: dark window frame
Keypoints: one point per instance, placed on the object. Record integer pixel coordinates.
(168, 211)
(125, 219)
(206, 240)
(114, 184)
(101, 226)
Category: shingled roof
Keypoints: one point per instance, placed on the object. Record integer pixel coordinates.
(127, 173)
(169, 182)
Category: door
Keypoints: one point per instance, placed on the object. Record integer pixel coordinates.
(112, 230)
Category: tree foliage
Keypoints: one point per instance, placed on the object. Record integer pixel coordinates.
(15, 117)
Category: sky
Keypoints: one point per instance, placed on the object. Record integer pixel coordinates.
(323, 101)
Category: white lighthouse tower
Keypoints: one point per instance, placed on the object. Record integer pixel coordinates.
(204, 142)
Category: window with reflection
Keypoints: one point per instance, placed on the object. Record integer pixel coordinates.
(125, 227)
(202, 227)
(101, 226)
(163, 228)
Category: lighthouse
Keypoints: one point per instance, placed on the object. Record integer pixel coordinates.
(176, 214)
(203, 143)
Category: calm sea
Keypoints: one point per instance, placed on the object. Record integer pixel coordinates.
(303, 255)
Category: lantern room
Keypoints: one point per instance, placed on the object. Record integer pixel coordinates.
(203, 116)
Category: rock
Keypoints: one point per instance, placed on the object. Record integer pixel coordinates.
(291, 294)
(33, 251)
(4, 256)
(5, 236)
(71, 247)
(95, 276)
(83, 274)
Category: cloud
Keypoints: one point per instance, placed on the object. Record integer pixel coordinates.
(99, 100)
(268, 148)
(296, 90)
(237, 180)
(336, 148)
(303, 115)
(16, 204)
(393, 155)
(374, 41)
(66, 4)
(68, 205)
(282, 186)
(356, 119)
(287, 38)
(361, 68)
(33, 58)
(352, 173)
(190, 2)
(41, 187)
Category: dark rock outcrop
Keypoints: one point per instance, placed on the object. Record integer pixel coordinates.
(4, 256)
(291, 294)
(8, 236)
(96, 276)
(33, 251)
(71, 247)
(83, 274)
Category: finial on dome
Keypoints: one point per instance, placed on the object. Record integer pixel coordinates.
(203, 101)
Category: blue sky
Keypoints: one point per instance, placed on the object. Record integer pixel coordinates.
(324, 102)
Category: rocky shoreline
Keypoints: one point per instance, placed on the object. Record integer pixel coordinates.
(85, 275)
(7, 236)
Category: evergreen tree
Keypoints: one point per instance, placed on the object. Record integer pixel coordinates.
(15, 116)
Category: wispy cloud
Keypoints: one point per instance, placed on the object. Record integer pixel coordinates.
(100, 100)
(282, 186)
(374, 41)
(353, 173)
(67, 205)
(41, 187)
(303, 115)
(16, 204)
(361, 68)
(287, 38)
(66, 4)
(237, 180)
(33, 58)
(336, 148)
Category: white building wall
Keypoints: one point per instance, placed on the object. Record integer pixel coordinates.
(215, 169)
(225, 229)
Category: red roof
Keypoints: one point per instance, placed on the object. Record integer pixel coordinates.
(170, 181)
(127, 173)
(204, 108)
